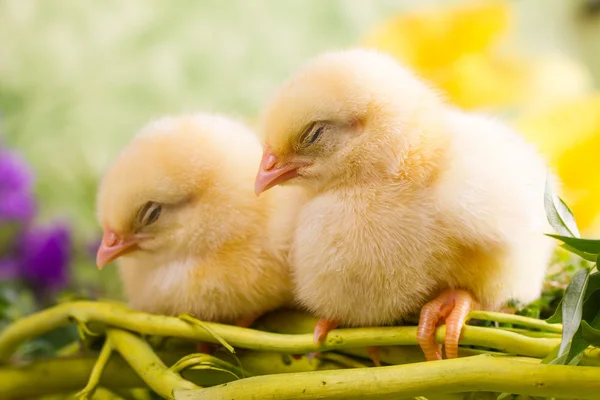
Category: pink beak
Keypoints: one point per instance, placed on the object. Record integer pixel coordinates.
(112, 247)
(269, 174)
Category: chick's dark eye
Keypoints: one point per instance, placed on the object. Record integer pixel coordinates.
(150, 213)
(318, 131)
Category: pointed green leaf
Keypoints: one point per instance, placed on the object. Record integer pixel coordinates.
(582, 254)
(590, 325)
(556, 318)
(558, 213)
(592, 286)
(551, 357)
(572, 308)
(578, 345)
(590, 334)
(585, 245)
(577, 359)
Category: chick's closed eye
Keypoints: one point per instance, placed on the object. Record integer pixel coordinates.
(149, 213)
(313, 133)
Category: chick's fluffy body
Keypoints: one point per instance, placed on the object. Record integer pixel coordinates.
(419, 198)
(217, 251)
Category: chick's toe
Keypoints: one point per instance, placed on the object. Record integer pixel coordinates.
(322, 328)
(451, 305)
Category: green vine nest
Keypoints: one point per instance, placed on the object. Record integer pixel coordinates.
(138, 350)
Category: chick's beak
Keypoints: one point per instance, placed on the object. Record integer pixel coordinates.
(112, 247)
(271, 174)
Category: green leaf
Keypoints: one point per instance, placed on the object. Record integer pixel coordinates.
(558, 213)
(582, 254)
(590, 334)
(592, 286)
(552, 358)
(590, 317)
(585, 245)
(578, 345)
(572, 307)
(556, 318)
(590, 324)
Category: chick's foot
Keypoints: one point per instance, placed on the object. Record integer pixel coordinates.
(374, 355)
(451, 305)
(322, 329)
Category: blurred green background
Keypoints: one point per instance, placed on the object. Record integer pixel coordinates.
(78, 78)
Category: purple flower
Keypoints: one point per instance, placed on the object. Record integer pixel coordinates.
(9, 269)
(44, 257)
(16, 180)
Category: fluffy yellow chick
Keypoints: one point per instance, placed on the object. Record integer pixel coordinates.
(414, 205)
(179, 213)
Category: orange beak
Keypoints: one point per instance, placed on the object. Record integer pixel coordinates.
(112, 247)
(269, 174)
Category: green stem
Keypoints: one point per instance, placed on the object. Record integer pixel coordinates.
(146, 364)
(62, 375)
(118, 316)
(516, 320)
(533, 334)
(400, 355)
(480, 373)
(207, 360)
(88, 391)
(344, 361)
(67, 375)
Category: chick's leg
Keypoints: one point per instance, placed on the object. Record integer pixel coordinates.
(322, 329)
(451, 305)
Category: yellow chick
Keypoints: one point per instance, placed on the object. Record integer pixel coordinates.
(179, 213)
(414, 205)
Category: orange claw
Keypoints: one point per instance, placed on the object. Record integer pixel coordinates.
(322, 329)
(247, 321)
(206, 348)
(453, 305)
(374, 355)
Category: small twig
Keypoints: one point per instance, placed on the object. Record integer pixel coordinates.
(189, 318)
(88, 391)
(533, 334)
(516, 320)
(207, 360)
(147, 365)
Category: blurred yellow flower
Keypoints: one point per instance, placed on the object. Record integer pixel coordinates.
(569, 136)
(433, 38)
(458, 48)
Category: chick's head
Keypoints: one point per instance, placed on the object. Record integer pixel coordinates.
(336, 116)
(176, 188)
